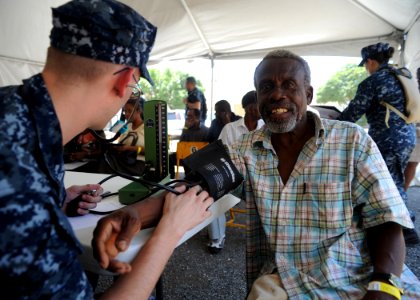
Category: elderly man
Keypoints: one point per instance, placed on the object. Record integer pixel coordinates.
(98, 51)
(325, 217)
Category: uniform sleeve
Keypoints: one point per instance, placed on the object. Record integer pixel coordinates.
(373, 189)
(360, 104)
(193, 97)
(36, 259)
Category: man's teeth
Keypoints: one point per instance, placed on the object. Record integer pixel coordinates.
(279, 110)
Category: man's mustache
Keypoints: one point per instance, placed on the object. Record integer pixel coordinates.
(273, 108)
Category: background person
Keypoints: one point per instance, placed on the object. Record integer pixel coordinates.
(233, 131)
(194, 131)
(195, 99)
(85, 145)
(230, 134)
(396, 140)
(413, 161)
(223, 115)
(38, 249)
(133, 138)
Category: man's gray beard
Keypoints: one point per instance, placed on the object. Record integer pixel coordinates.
(281, 127)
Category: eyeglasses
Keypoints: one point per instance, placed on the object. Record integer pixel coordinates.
(136, 88)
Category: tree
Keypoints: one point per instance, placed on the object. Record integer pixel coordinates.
(169, 86)
(342, 86)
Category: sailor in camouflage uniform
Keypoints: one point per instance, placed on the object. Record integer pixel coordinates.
(395, 138)
(38, 249)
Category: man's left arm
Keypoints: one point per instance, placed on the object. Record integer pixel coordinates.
(383, 213)
(387, 249)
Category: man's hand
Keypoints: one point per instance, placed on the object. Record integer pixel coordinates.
(113, 235)
(89, 201)
(78, 156)
(123, 148)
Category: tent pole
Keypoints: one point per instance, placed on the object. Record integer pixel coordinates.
(212, 87)
(402, 50)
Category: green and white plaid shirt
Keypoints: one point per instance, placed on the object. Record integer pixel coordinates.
(312, 229)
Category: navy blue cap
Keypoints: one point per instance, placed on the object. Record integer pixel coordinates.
(105, 30)
(372, 50)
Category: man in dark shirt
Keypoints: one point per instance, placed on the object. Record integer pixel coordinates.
(195, 99)
(194, 132)
(224, 115)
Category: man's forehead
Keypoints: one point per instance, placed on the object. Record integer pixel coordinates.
(279, 66)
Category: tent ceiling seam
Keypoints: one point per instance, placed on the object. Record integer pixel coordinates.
(372, 13)
(412, 22)
(196, 27)
(22, 60)
(391, 36)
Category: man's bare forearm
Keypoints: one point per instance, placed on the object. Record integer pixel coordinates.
(150, 209)
(146, 267)
(387, 248)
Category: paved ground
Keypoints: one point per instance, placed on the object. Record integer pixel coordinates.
(193, 273)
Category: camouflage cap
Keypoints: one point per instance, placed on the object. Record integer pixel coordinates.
(371, 50)
(105, 30)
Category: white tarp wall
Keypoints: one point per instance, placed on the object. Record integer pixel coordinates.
(221, 29)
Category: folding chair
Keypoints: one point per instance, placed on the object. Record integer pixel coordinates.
(185, 149)
(231, 221)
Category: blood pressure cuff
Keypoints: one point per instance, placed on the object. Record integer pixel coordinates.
(213, 168)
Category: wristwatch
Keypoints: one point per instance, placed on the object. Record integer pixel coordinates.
(389, 279)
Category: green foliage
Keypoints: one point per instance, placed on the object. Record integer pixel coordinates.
(169, 86)
(342, 86)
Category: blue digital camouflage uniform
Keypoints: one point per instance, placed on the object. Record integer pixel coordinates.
(196, 95)
(38, 250)
(396, 142)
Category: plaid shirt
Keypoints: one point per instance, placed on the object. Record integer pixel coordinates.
(312, 229)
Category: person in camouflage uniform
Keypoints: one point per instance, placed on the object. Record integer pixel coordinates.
(395, 138)
(195, 96)
(97, 49)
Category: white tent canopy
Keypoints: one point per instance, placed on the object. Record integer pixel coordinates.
(219, 29)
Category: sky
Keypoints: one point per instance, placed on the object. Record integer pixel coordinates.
(234, 78)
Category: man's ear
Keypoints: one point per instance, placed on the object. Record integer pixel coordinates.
(309, 94)
(123, 79)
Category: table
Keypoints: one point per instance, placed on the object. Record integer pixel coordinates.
(83, 226)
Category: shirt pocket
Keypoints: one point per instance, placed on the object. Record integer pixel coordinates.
(326, 206)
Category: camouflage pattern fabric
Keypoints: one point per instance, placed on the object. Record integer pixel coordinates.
(396, 142)
(38, 249)
(372, 50)
(104, 30)
(197, 95)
